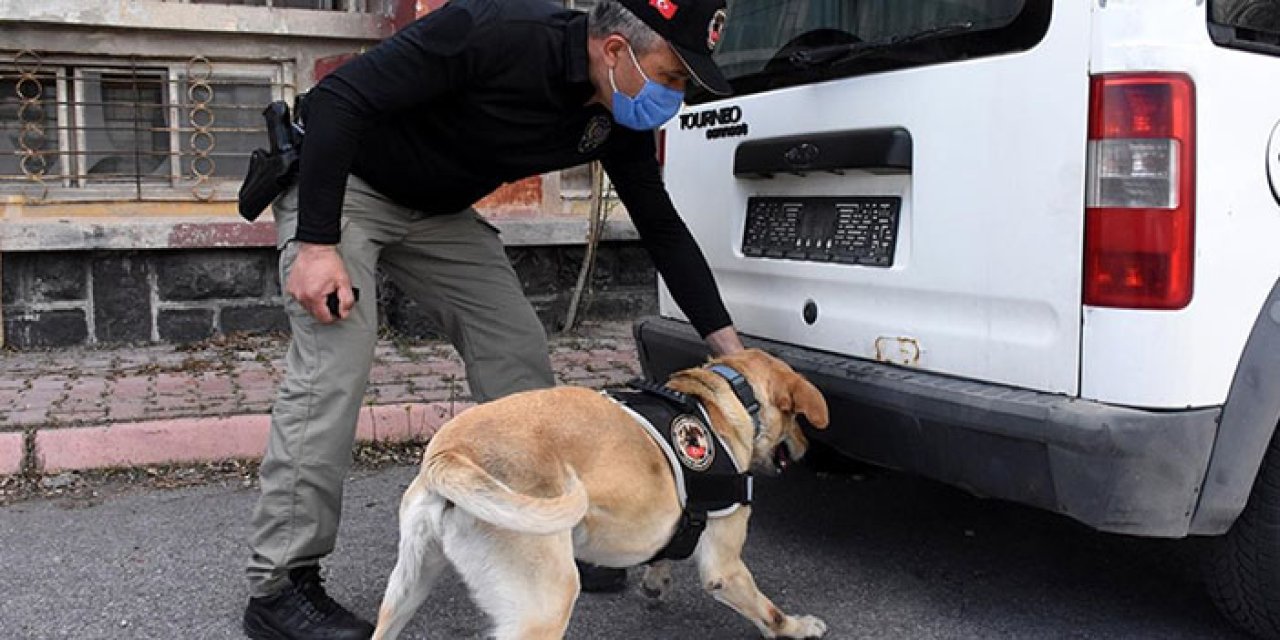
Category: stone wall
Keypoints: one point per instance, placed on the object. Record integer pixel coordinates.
(54, 299)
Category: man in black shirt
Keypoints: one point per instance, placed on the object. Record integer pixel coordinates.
(401, 142)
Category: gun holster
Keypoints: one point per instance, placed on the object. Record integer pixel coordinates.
(271, 171)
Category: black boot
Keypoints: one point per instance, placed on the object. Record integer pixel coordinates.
(598, 579)
(301, 611)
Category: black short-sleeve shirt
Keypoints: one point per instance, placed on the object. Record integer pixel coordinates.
(476, 94)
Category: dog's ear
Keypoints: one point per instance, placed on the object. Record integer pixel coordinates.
(798, 395)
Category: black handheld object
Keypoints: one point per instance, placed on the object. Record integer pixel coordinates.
(332, 300)
(279, 127)
(271, 171)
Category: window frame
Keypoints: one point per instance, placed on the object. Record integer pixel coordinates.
(1023, 33)
(1240, 37)
(71, 182)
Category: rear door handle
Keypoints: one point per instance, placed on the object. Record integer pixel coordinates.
(880, 150)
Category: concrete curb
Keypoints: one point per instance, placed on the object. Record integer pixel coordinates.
(202, 439)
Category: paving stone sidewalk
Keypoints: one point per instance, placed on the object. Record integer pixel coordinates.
(220, 383)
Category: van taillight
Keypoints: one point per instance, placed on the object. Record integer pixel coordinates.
(1140, 197)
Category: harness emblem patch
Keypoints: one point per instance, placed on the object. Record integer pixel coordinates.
(693, 444)
(596, 133)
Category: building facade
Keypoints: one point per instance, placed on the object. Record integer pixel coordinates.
(125, 131)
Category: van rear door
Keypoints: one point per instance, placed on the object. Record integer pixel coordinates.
(898, 180)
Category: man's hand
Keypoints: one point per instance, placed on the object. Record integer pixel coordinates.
(724, 341)
(317, 271)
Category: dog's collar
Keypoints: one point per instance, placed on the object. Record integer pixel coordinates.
(741, 389)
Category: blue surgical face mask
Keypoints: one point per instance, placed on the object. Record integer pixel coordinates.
(649, 109)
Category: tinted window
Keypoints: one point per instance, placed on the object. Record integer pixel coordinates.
(1246, 24)
(761, 36)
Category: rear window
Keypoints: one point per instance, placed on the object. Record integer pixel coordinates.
(769, 44)
(1252, 25)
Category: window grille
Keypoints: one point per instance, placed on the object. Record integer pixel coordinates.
(131, 129)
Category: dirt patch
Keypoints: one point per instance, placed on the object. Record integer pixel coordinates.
(80, 489)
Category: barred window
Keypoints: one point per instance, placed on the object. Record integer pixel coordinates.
(124, 130)
(29, 127)
(131, 129)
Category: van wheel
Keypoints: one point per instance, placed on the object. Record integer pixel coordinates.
(1243, 567)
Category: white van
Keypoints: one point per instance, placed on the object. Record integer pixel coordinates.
(1026, 247)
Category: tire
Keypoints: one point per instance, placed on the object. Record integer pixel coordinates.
(1242, 568)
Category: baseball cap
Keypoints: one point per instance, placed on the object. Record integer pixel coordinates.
(693, 28)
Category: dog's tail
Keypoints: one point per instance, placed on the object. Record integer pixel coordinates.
(464, 483)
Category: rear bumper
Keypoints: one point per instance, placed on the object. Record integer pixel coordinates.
(1113, 468)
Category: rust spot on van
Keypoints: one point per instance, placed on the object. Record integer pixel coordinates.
(900, 351)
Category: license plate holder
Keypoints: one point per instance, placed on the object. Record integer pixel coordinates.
(860, 230)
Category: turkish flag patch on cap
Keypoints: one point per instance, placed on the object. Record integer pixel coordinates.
(666, 7)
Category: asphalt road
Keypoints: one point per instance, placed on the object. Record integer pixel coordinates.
(880, 555)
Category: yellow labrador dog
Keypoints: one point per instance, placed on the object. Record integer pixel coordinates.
(511, 491)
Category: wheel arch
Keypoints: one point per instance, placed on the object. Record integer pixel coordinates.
(1248, 422)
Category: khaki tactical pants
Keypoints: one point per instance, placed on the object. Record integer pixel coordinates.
(455, 269)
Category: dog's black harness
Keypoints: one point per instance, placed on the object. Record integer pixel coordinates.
(709, 480)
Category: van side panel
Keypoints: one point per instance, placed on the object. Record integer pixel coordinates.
(1187, 358)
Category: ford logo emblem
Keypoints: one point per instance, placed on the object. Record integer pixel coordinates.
(801, 155)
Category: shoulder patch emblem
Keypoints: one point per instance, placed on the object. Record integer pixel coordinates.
(595, 134)
(714, 29)
(667, 8)
(693, 444)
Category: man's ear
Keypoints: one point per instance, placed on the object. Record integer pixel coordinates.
(614, 47)
(797, 395)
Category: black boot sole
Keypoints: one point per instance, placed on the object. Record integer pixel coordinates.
(256, 629)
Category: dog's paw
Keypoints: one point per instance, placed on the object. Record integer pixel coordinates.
(657, 581)
(809, 627)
